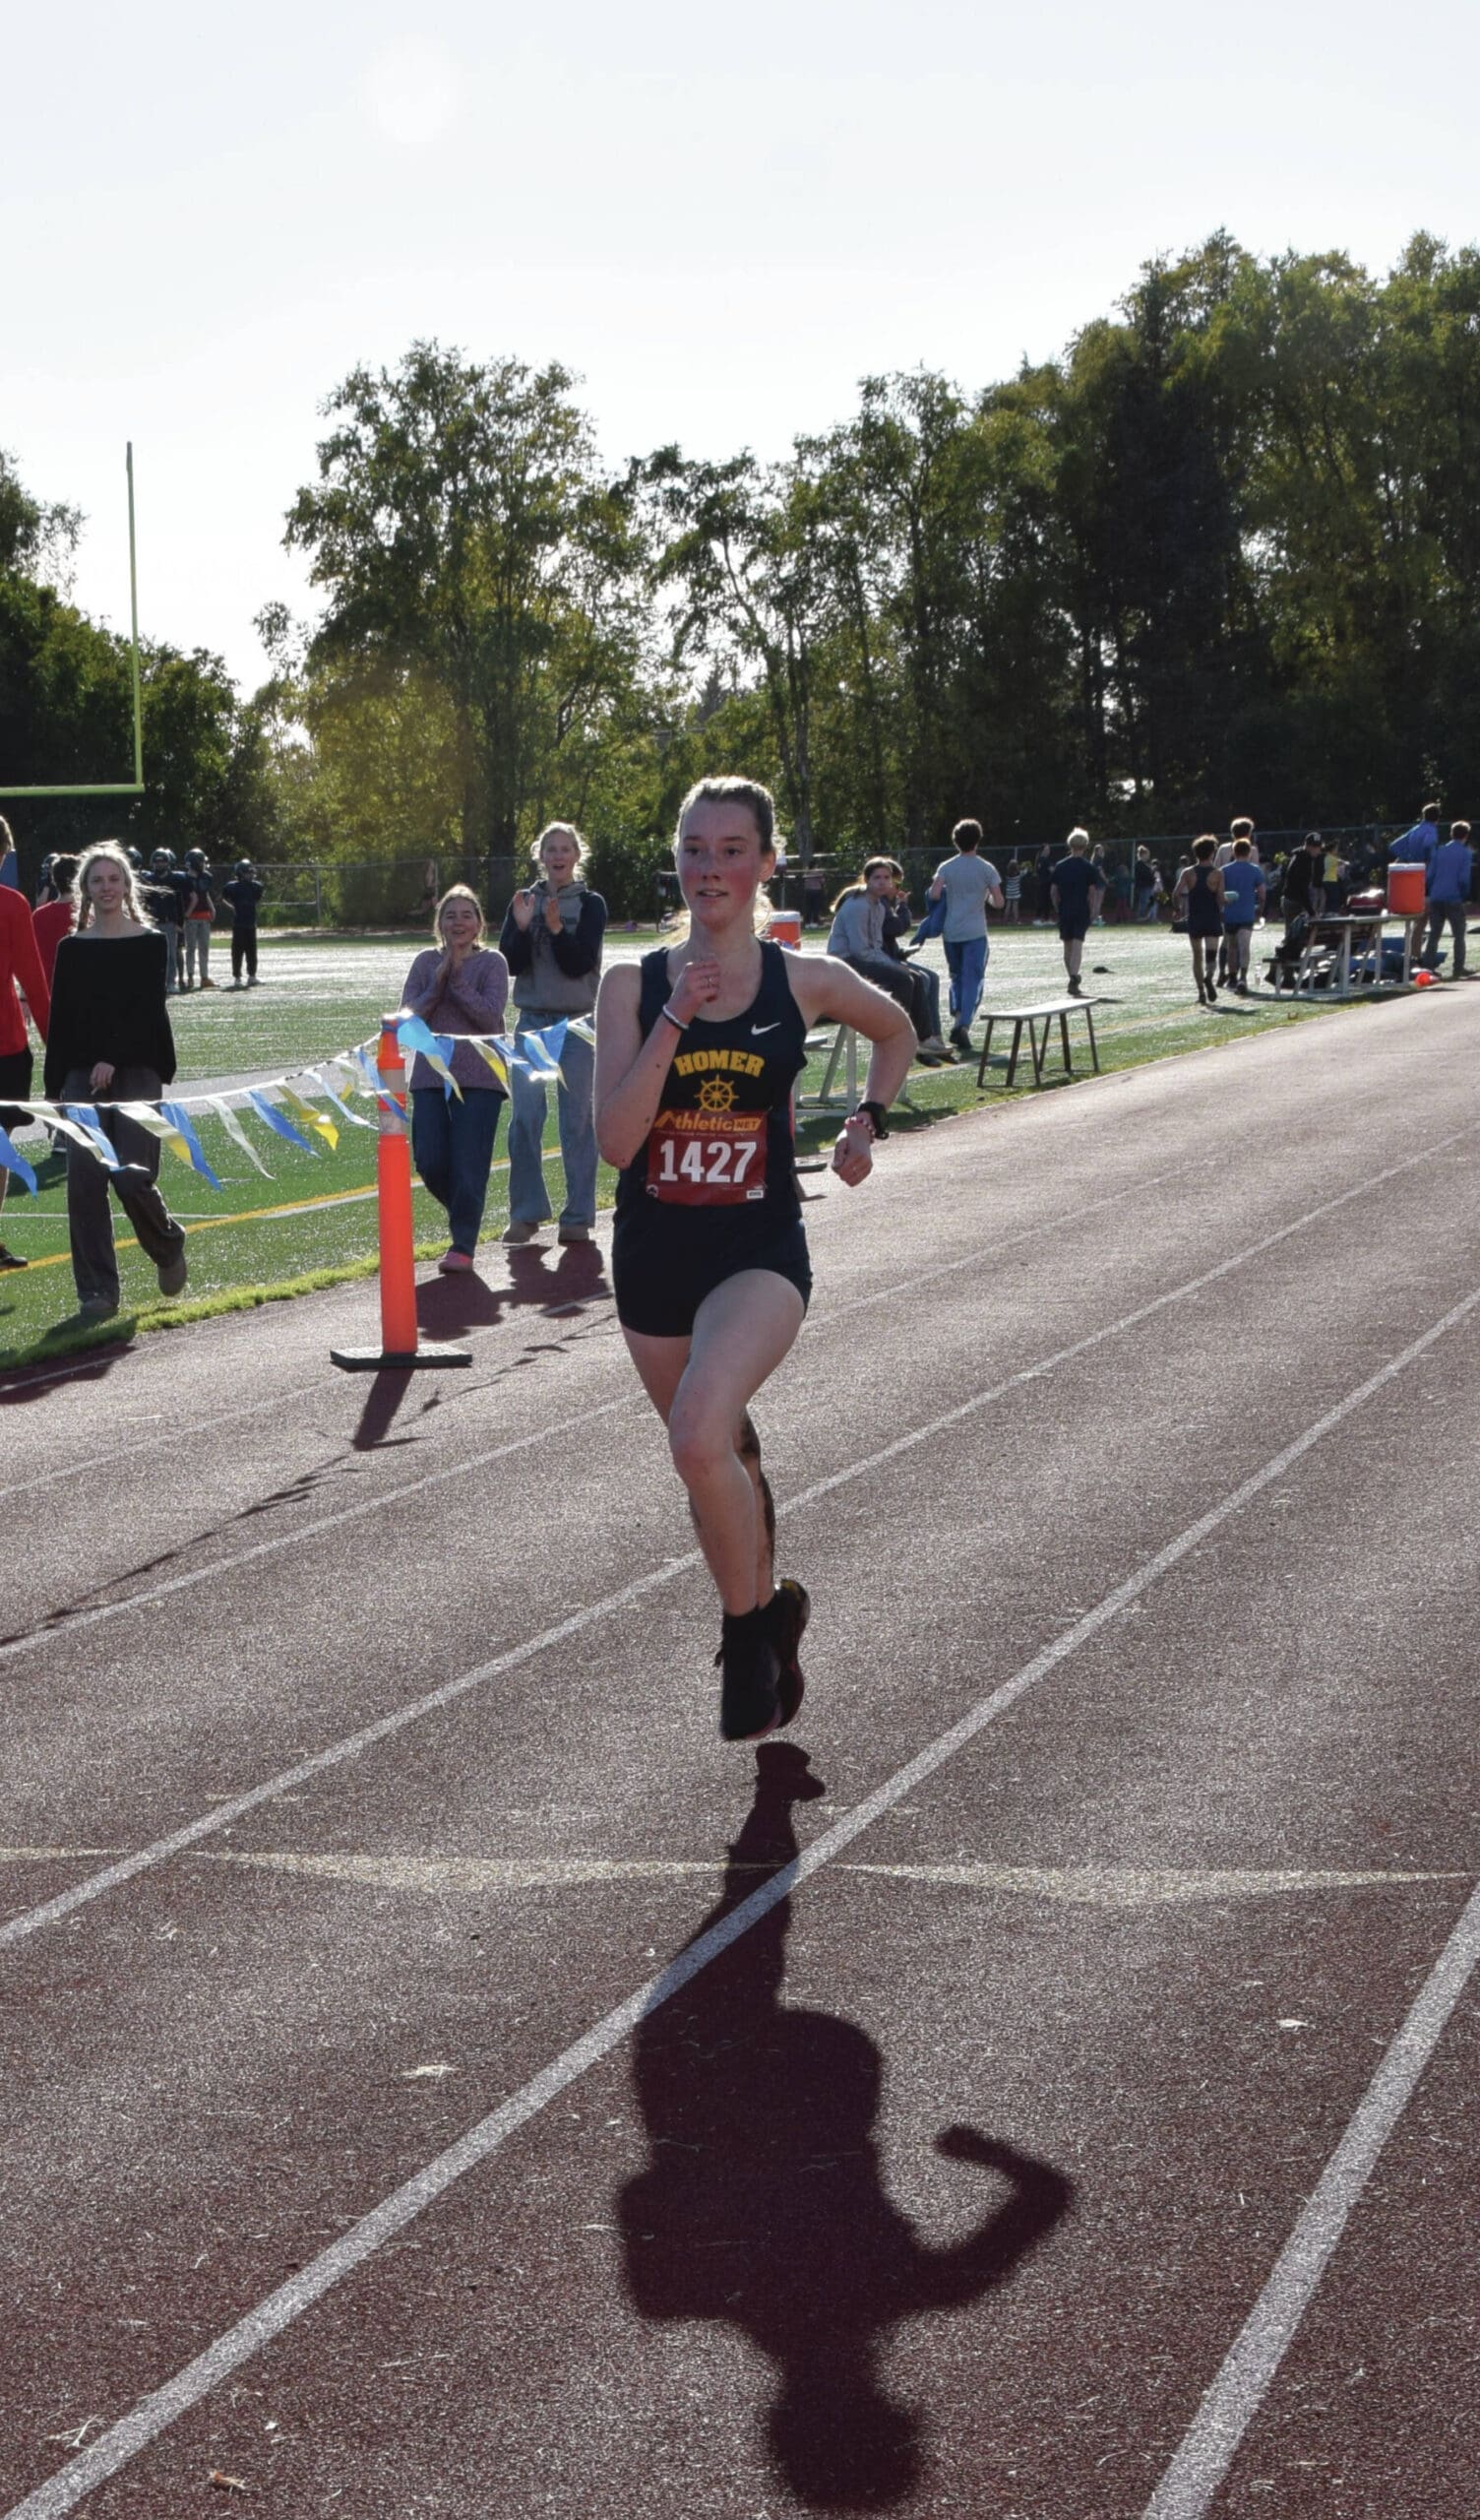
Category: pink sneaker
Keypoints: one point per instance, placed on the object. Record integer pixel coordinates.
(452, 1261)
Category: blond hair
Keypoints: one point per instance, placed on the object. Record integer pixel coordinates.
(133, 903)
(564, 831)
(457, 893)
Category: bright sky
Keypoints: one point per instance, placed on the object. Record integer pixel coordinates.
(720, 219)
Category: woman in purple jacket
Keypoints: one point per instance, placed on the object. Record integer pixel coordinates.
(458, 985)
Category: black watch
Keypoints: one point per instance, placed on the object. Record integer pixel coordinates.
(877, 1116)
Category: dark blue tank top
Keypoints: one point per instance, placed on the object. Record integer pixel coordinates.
(721, 1152)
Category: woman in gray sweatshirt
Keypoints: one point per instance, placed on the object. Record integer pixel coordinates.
(551, 941)
(857, 939)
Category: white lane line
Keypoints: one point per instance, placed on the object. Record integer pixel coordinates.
(979, 1257)
(63, 1623)
(1238, 2392)
(261, 2325)
(1077, 1885)
(224, 1813)
(173, 1437)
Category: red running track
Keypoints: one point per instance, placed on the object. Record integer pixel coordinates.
(440, 2078)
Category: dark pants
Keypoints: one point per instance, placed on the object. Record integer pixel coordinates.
(244, 950)
(89, 1218)
(453, 1143)
(1456, 912)
(902, 982)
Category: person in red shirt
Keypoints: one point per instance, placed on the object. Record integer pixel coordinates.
(21, 975)
(56, 919)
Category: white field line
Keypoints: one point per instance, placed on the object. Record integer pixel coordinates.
(1238, 2392)
(979, 1256)
(224, 1814)
(62, 1624)
(269, 2319)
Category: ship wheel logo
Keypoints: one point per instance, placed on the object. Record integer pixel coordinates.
(716, 1095)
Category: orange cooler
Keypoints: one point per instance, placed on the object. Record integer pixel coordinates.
(785, 927)
(1405, 890)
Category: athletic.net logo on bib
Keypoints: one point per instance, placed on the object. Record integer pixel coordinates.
(713, 1158)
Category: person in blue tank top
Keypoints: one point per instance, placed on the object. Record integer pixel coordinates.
(698, 1049)
(1242, 903)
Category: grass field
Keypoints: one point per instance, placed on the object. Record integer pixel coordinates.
(314, 1219)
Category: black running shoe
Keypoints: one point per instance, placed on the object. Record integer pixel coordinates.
(792, 1609)
(10, 1259)
(749, 1674)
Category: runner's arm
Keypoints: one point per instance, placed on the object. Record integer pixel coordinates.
(631, 1073)
(826, 989)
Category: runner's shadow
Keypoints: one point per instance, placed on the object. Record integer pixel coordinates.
(764, 2206)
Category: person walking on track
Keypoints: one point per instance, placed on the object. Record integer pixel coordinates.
(110, 1043)
(457, 985)
(697, 1048)
(1200, 887)
(22, 974)
(551, 941)
(1077, 893)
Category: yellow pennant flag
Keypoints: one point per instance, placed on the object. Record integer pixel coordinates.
(311, 1118)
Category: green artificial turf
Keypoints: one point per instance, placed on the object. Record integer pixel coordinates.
(322, 995)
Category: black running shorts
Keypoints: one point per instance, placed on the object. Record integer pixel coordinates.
(659, 1288)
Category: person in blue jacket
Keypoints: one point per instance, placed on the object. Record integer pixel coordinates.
(1451, 874)
(1417, 847)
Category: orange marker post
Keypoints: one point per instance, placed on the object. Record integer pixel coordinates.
(402, 1349)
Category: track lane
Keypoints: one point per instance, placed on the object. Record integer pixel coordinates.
(1278, 1469)
(1291, 1338)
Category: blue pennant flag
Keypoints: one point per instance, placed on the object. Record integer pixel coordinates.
(84, 1115)
(269, 1112)
(435, 1047)
(179, 1119)
(12, 1161)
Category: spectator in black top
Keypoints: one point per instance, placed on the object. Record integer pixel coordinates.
(162, 904)
(1304, 894)
(1076, 892)
(242, 896)
(109, 1042)
(898, 919)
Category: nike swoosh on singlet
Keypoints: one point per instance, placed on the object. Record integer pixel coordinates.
(757, 1030)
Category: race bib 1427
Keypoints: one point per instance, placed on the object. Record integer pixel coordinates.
(707, 1158)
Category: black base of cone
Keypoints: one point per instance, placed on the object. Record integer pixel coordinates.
(398, 1360)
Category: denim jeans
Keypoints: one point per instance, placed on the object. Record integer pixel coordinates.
(967, 962)
(528, 1201)
(453, 1143)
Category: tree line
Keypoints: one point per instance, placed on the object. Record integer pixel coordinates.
(1218, 557)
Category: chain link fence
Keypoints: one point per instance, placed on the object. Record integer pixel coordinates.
(402, 892)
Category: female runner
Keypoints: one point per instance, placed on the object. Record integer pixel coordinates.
(697, 1048)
